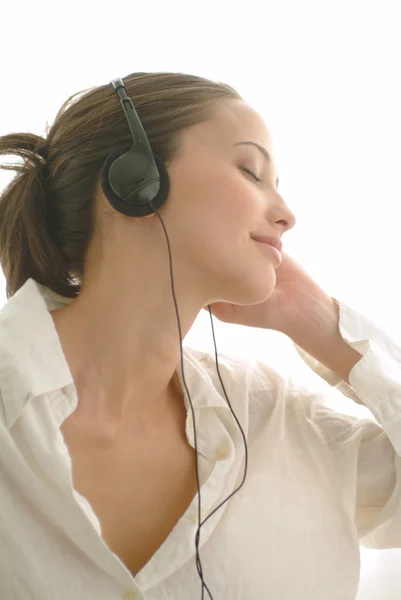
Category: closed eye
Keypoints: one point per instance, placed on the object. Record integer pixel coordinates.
(252, 174)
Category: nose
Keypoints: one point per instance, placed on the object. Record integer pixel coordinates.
(283, 215)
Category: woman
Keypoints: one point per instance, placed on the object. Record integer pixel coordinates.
(99, 473)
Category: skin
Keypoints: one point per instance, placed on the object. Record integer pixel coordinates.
(120, 336)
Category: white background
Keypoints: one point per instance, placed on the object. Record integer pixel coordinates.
(325, 76)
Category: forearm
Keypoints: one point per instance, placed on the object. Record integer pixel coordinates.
(317, 332)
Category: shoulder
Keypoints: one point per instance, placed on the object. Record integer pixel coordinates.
(238, 373)
(254, 388)
(264, 398)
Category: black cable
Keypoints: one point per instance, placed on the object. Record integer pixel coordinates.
(200, 524)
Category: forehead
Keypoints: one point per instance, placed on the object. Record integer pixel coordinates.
(235, 119)
(231, 121)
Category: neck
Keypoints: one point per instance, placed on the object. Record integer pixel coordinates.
(123, 348)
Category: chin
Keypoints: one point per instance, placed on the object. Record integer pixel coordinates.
(256, 291)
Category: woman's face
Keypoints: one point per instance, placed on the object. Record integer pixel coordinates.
(218, 205)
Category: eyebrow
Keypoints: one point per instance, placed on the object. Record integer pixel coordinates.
(263, 151)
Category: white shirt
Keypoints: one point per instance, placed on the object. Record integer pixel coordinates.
(318, 481)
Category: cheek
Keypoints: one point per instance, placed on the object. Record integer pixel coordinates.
(224, 212)
(215, 211)
(236, 204)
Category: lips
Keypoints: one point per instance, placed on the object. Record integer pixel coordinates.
(275, 242)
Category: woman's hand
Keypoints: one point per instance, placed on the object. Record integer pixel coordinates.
(294, 295)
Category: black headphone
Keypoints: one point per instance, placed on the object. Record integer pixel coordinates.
(136, 184)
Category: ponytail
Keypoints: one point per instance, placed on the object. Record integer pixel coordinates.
(27, 248)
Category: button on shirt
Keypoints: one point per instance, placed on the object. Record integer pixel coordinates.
(319, 481)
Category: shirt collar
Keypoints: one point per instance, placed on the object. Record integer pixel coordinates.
(31, 358)
(32, 362)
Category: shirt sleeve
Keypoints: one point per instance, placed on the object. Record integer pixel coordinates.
(375, 381)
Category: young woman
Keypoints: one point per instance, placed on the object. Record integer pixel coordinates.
(108, 432)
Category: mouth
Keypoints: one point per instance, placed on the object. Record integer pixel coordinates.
(271, 241)
(271, 249)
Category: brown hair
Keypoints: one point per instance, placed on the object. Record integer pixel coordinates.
(47, 211)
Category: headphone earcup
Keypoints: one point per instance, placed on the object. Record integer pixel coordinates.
(135, 206)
